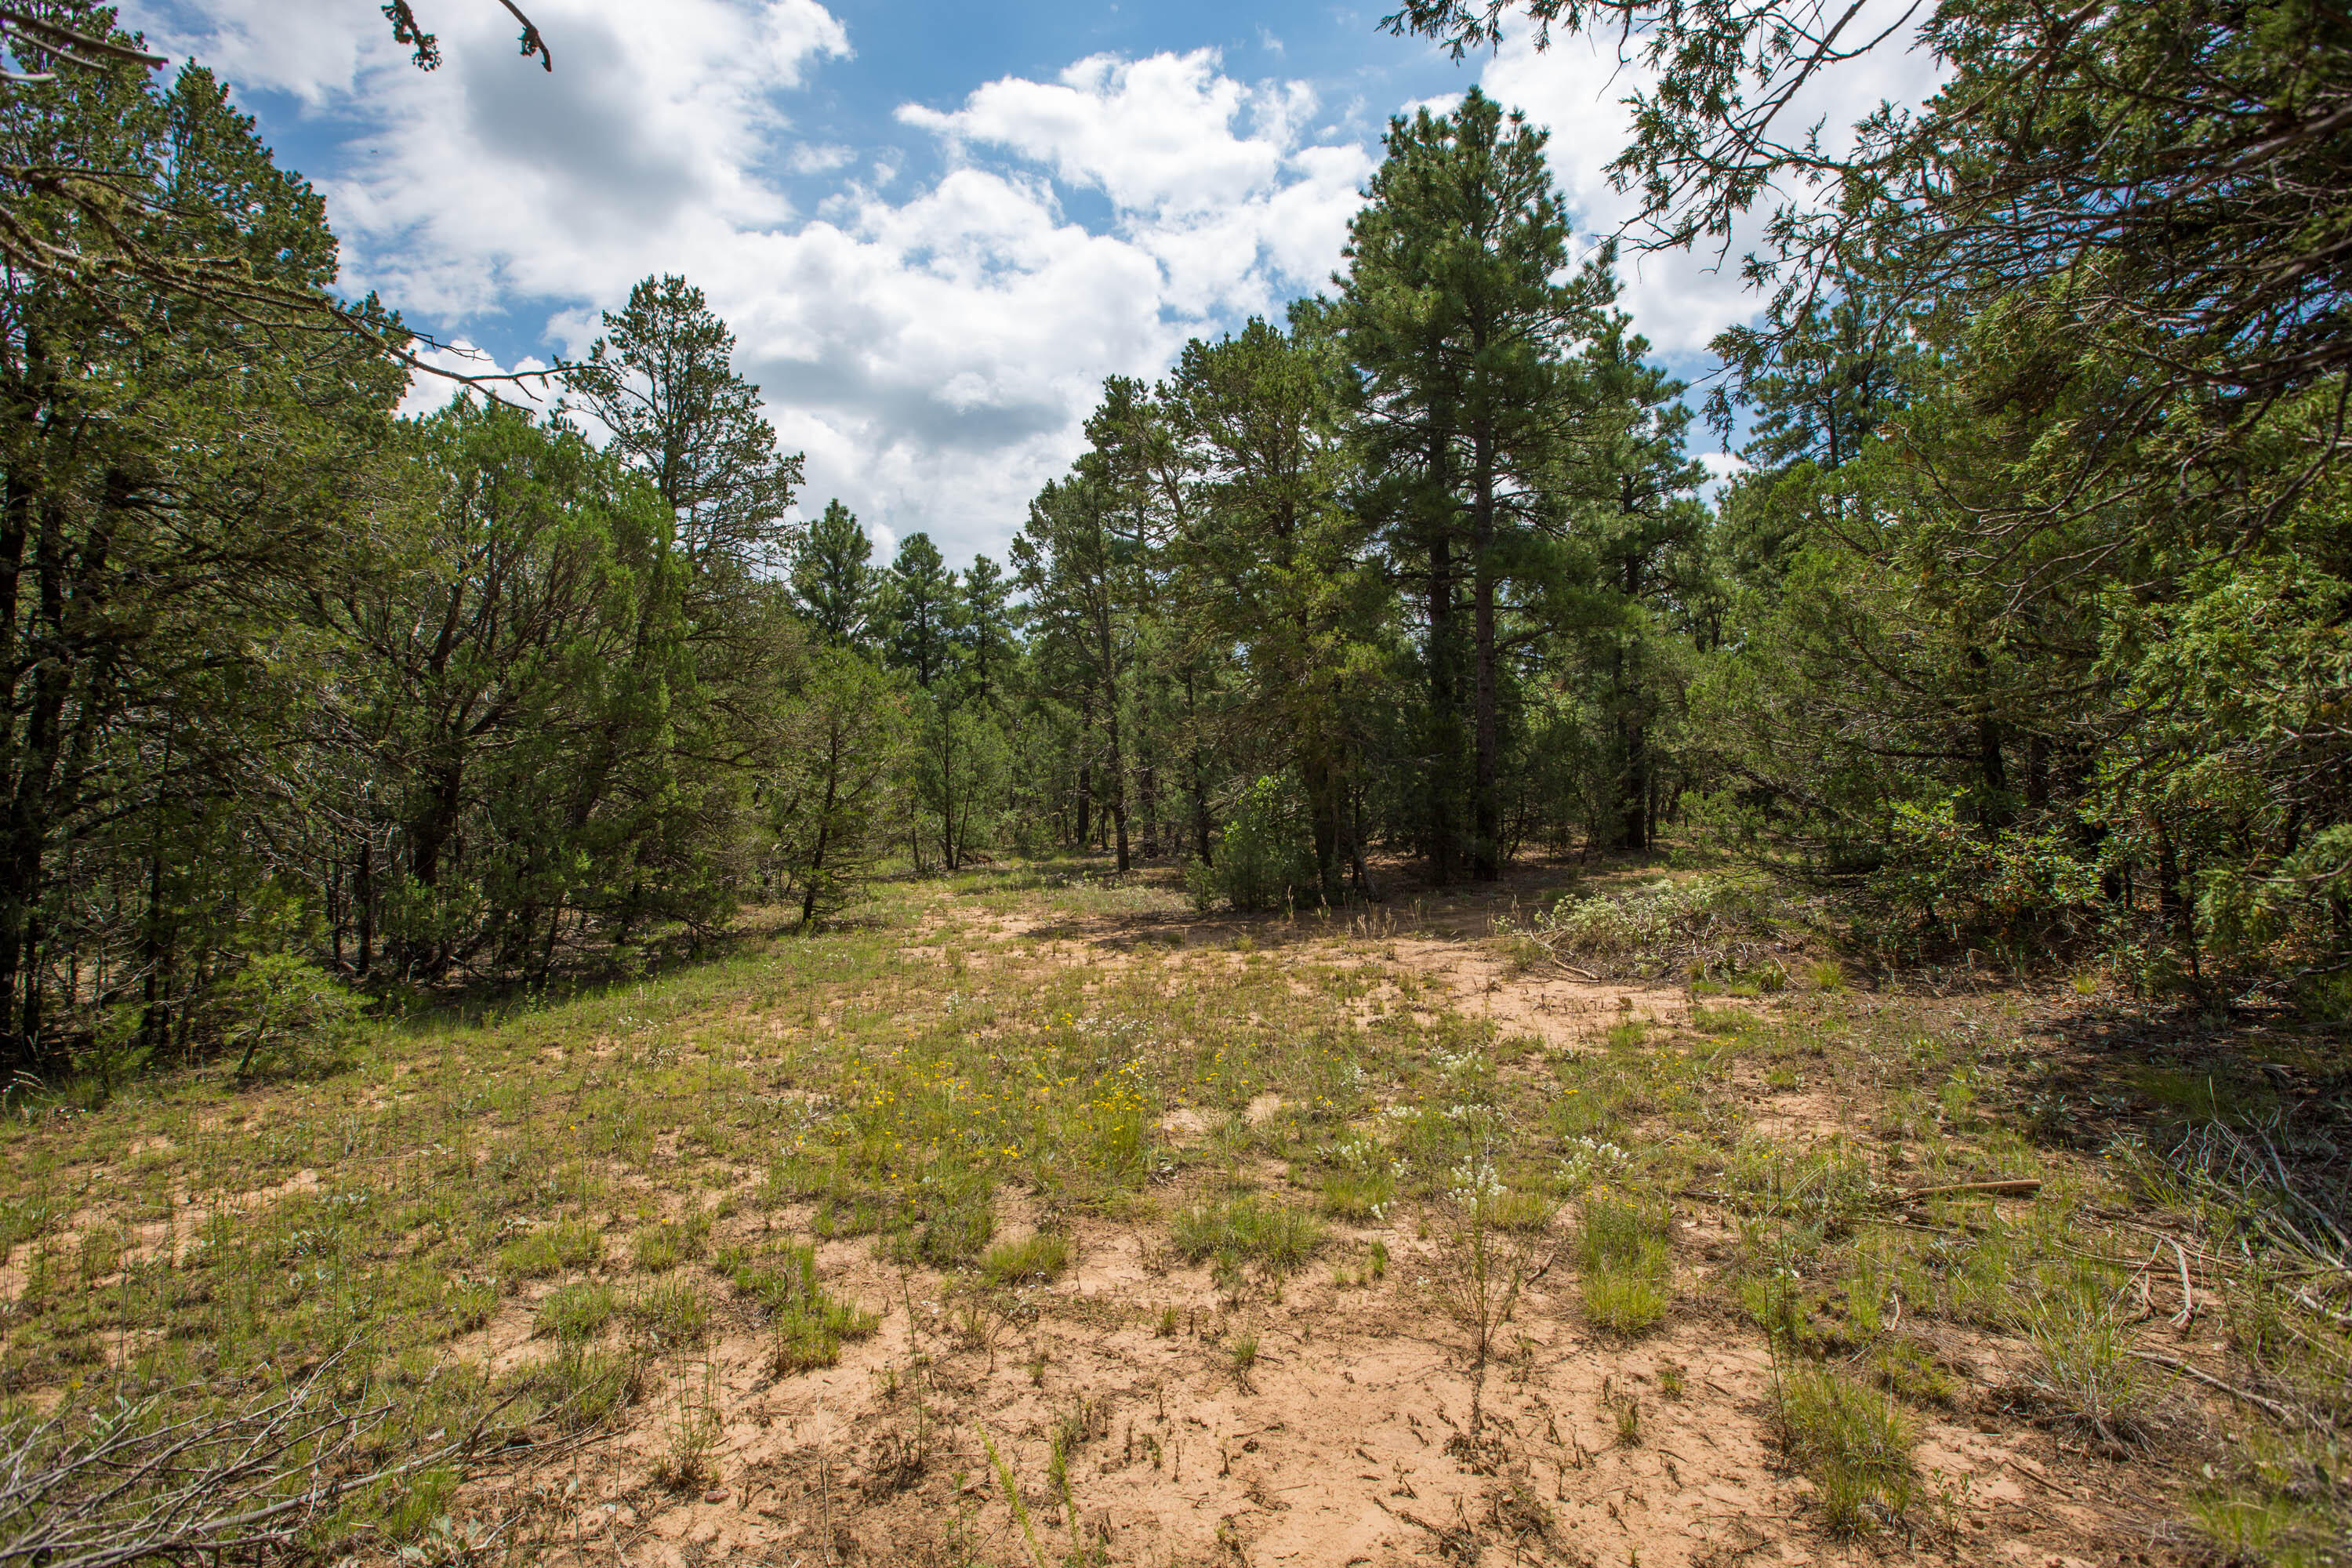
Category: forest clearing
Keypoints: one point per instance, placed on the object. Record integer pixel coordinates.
(1569, 781)
(1038, 1218)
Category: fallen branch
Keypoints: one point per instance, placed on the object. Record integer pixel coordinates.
(2023, 1188)
(2270, 1408)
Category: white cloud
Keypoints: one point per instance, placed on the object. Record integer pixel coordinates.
(933, 350)
(1576, 89)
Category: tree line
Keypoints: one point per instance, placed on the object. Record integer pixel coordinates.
(2010, 630)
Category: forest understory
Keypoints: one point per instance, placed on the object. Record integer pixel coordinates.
(1037, 1218)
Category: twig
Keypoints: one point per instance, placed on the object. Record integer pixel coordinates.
(2271, 1408)
(2023, 1188)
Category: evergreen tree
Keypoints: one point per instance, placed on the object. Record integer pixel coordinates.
(915, 606)
(662, 380)
(1459, 327)
(831, 579)
(985, 625)
(173, 480)
(1271, 563)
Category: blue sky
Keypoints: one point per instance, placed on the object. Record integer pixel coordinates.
(935, 228)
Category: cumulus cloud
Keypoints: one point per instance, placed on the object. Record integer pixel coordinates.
(1578, 89)
(933, 350)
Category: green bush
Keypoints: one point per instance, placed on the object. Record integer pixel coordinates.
(286, 1017)
(1265, 856)
(1947, 882)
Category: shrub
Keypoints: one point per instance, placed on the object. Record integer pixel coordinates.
(1265, 856)
(1945, 882)
(286, 1017)
(1717, 924)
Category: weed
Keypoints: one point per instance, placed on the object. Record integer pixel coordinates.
(1625, 1259)
(1243, 1353)
(1012, 1490)
(690, 1435)
(1625, 1411)
(1854, 1442)
(1035, 1259)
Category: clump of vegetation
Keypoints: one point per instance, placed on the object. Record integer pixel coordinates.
(552, 1249)
(1266, 854)
(1709, 924)
(1037, 1258)
(806, 1325)
(1625, 1262)
(1854, 1442)
(579, 1311)
(660, 1248)
(671, 1314)
(1274, 1237)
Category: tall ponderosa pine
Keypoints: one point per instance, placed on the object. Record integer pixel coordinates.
(1079, 567)
(1458, 325)
(1271, 562)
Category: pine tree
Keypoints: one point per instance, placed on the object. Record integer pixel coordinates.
(831, 579)
(662, 380)
(1458, 328)
(985, 625)
(915, 606)
(1270, 560)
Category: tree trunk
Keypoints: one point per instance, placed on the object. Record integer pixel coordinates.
(1487, 738)
(1201, 846)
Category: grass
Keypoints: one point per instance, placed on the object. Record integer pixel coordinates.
(1625, 1263)
(580, 1388)
(555, 1248)
(1274, 1237)
(578, 1312)
(1854, 1442)
(671, 1314)
(661, 1247)
(645, 1178)
(1035, 1260)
